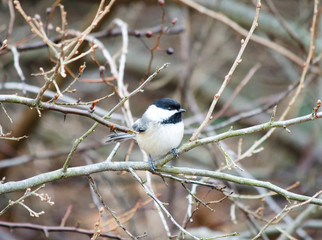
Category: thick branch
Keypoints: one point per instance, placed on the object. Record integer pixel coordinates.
(126, 166)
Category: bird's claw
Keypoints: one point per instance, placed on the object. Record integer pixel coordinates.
(175, 152)
(151, 163)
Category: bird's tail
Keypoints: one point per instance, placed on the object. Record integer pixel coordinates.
(120, 137)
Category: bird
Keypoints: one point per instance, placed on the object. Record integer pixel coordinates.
(159, 131)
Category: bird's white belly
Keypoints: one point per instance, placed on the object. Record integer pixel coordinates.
(160, 139)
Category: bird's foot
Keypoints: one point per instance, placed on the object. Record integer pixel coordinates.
(151, 163)
(175, 152)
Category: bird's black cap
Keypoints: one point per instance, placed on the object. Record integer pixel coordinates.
(167, 103)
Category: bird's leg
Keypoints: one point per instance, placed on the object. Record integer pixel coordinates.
(151, 163)
(175, 152)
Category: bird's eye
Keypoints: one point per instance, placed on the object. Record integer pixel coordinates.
(169, 108)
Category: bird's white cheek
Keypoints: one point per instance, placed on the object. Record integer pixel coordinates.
(156, 114)
(160, 140)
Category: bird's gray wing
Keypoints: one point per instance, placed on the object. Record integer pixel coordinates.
(140, 126)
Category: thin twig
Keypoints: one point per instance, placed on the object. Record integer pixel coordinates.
(101, 34)
(310, 211)
(188, 215)
(108, 115)
(258, 39)
(234, 133)
(28, 193)
(229, 75)
(138, 89)
(300, 86)
(101, 12)
(150, 193)
(157, 42)
(92, 184)
(64, 100)
(18, 68)
(158, 208)
(237, 90)
(122, 90)
(66, 110)
(12, 19)
(284, 24)
(47, 229)
(283, 213)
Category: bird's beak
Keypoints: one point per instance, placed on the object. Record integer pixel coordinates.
(181, 110)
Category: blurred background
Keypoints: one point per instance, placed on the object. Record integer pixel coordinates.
(200, 50)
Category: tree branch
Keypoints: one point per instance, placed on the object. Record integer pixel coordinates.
(66, 110)
(244, 131)
(237, 61)
(144, 166)
(47, 229)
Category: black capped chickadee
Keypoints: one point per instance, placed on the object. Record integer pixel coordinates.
(158, 131)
